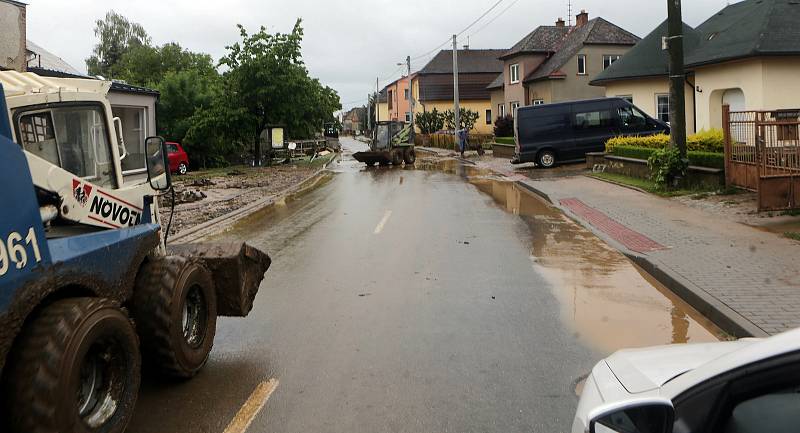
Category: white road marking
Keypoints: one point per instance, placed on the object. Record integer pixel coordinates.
(383, 222)
(247, 413)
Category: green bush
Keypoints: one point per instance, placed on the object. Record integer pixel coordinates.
(707, 159)
(658, 141)
(665, 165)
(633, 152)
(705, 141)
(696, 158)
(505, 140)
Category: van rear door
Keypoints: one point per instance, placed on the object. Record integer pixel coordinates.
(593, 124)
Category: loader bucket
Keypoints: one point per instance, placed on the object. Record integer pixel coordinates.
(237, 270)
(372, 158)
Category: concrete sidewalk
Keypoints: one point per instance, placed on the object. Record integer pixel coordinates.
(744, 279)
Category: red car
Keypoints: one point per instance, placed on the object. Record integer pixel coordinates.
(178, 159)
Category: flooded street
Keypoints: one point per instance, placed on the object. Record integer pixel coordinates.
(437, 298)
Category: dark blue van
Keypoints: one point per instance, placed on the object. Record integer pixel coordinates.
(566, 131)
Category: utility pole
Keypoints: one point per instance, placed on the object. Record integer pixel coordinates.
(456, 107)
(410, 101)
(377, 100)
(677, 77)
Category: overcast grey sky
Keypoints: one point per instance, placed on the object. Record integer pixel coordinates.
(348, 43)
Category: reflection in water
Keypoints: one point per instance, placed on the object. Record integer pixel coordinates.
(609, 301)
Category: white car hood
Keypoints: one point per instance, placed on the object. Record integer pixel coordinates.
(642, 370)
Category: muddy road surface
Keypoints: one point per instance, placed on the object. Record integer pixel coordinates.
(429, 299)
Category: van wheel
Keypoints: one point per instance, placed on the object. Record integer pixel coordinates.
(75, 368)
(546, 159)
(175, 309)
(182, 168)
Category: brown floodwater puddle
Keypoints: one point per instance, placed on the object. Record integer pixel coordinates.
(608, 301)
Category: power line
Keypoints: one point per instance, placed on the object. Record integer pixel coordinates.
(480, 17)
(493, 19)
(448, 40)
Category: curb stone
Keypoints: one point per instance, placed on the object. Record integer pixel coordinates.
(715, 310)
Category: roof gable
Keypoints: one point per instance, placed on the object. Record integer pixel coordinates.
(470, 61)
(598, 31)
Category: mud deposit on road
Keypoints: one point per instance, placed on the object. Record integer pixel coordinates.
(607, 300)
(228, 190)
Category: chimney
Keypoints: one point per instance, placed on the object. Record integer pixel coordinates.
(560, 22)
(581, 19)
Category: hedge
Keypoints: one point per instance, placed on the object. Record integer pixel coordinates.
(505, 140)
(696, 158)
(705, 141)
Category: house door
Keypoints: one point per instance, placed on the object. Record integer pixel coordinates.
(735, 99)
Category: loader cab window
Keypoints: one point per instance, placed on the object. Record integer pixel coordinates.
(72, 137)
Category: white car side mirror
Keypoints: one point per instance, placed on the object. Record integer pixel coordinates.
(649, 415)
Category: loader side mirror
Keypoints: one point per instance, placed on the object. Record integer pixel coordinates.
(157, 164)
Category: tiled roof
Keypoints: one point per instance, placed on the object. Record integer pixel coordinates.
(469, 62)
(746, 29)
(498, 82)
(646, 59)
(46, 60)
(596, 31)
(544, 39)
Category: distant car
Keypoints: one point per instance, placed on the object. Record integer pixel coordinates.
(745, 386)
(562, 132)
(178, 159)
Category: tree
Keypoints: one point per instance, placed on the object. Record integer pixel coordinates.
(183, 93)
(268, 80)
(430, 121)
(467, 119)
(147, 66)
(117, 36)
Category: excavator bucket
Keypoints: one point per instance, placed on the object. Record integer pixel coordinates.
(237, 269)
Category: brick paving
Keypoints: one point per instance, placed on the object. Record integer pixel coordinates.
(632, 240)
(753, 273)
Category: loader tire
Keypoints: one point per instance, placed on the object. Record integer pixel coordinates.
(410, 156)
(175, 311)
(397, 157)
(74, 368)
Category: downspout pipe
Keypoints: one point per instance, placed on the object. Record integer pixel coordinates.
(694, 100)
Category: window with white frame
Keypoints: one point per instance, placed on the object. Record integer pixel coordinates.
(489, 117)
(514, 106)
(628, 98)
(408, 117)
(662, 107)
(582, 64)
(405, 94)
(538, 102)
(501, 110)
(608, 59)
(514, 73)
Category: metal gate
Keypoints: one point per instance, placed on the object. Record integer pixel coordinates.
(762, 154)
